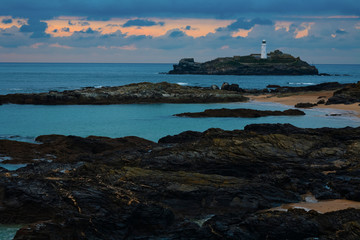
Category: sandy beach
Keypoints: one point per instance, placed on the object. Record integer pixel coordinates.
(305, 97)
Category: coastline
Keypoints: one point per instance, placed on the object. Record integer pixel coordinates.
(304, 97)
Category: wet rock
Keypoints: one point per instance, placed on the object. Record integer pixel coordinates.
(347, 95)
(305, 105)
(194, 185)
(272, 86)
(240, 112)
(132, 93)
(322, 101)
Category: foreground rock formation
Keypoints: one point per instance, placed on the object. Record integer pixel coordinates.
(347, 95)
(240, 112)
(132, 93)
(212, 185)
(277, 63)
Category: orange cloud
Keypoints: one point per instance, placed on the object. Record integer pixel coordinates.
(282, 25)
(224, 47)
(131, 47)
(242, 33)
(17, 22)
(37, 45)
(199, 27)
(304, 32)
(56, 45)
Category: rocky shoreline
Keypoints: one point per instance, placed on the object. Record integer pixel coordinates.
(174, 93)
(133, 93)
(277, 63)
(240, 112)
(195, 185)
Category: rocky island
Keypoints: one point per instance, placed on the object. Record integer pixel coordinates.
(195, 185)
(277, 63)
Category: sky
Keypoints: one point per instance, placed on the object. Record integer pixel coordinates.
(164, 31)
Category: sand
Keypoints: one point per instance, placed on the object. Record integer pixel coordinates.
(311, 203)
(311, 97)
(321, 206)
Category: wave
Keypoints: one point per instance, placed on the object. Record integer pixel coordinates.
(182, 83)
(18, 138)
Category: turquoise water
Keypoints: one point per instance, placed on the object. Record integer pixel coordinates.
(7, 232)
(150, 121)
(42, 77)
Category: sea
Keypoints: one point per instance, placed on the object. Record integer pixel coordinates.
(150, 121)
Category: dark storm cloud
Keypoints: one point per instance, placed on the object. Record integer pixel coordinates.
(141, 23)
(36, 27)
(177, 34)
(241, 23)
(88, 31)
(105, 9)
(65, 29)
(7, 21)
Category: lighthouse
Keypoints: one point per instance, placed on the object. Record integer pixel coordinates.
(263, 50)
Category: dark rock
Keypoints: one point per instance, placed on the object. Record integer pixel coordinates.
(214, 87)
(272, 86)
(132, 93)
(305, 105)
(211, 185)
(225, 86)
(347, 95)
(322, 101)
(277, 63)
(324, 74)
(333, 114)
(183, 137)
(240, 112)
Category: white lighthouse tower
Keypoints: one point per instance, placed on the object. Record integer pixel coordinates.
(263, 50)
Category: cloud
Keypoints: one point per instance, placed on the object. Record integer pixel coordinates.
(176, 34)
(131, 47)
(88, 31)
(340, 31)
(37, 45)
(242, 23)
(188, 27)
(141, 23)
(84, 24)
(36, 27)
(56, 45)
(65, 29)
(106, 9)
(7, 20)
(303, 30)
